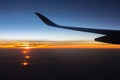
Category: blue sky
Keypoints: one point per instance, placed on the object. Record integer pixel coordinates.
(18, 21)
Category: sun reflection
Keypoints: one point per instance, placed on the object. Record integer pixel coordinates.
(25, 63)
(27, 57)
(24, 52)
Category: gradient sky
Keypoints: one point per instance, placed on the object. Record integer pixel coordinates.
(18, 21)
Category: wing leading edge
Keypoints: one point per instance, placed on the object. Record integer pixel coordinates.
(98, 31)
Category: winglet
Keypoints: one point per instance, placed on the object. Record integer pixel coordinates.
(46, 20)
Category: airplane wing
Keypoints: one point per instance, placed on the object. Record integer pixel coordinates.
(98, 31)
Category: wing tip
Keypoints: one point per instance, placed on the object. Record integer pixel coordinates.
(36, 13)
(45, 19)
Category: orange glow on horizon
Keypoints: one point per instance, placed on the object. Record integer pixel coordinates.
(63, 44)
(71, 46)
(27, 47)
(92, 46)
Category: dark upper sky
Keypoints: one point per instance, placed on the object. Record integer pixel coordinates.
(18, 21)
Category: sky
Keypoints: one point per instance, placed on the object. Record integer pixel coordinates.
(18, 21)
